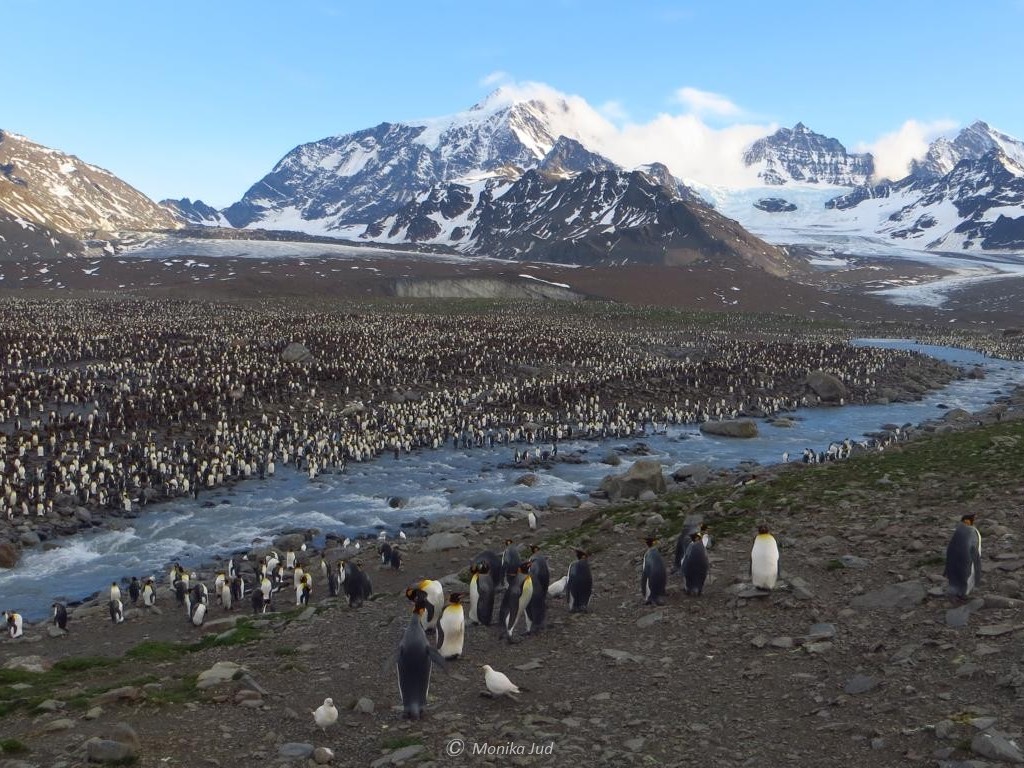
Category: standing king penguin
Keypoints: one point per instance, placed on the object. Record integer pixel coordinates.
(481, 594)
(764, 560)
(695, 565)
(963, 558)
(451, 629)
(580, 584)
(653, 577)
(414, 660)
(60, 616)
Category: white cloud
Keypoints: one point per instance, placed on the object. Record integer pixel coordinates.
(894, 151)
(706, 103)
(494, 78)
(614, 111)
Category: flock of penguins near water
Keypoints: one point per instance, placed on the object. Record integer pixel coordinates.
(108, 405)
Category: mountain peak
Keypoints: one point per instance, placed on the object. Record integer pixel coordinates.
(803, 156)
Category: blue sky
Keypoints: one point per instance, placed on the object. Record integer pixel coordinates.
(200, 99)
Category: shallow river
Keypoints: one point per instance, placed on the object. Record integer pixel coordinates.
(436, 483)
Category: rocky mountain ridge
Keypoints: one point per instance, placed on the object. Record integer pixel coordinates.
(64, 200)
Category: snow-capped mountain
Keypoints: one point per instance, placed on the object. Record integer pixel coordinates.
(594, 216)
(799, 155)
(60, 193)
(21, 239)
(977, 204)
(195, 214)
(973, 142)
(328, 185)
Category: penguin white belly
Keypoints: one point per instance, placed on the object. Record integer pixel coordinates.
(453, 627)
(474, 600)
(764, 562)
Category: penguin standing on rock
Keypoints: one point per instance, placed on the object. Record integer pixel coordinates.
(695, 565)
(414, 661)
(963, 558)
(764, 560)
(653, 577)
(580, 583)
(60, 616)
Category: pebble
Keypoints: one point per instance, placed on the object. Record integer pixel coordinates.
(364, 705)
(295, 750)
(996, 748)
(650, 619)
(323, 755)
(62, 724)
(859, 684)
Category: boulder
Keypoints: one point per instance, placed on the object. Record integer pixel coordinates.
(735, 428)
(9, 555)
(292, 541)
(612, 459)
(828, 388)
(296, 353)
(438, 542)
(108, 751)
(529, 480)
(644, 475)
(694, 473)
(220, 673)
(565, 501)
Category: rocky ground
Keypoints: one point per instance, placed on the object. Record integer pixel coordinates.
(859, 658)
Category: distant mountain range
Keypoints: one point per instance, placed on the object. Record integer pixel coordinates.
(521, 178)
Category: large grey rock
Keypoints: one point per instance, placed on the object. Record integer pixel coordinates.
(898, 597)
(827, 387)
(735, 428)
(220, 673)
(292, 541)
(295, 750)
(29, 663)
(438, 542)
(125, 734)
(108, 751)
(9, 555)
(644, 475)
(996, 748)
(693, 473)
(565, 501)
(30, 539)
(296, 353)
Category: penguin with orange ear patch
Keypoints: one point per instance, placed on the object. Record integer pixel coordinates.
(963, 558)
(514, 603)
(414, 661)
(451, 628)
(580, 584)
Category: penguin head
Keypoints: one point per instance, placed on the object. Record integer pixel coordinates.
(525, 566)
(581, 554)
(474, 569)
(695, 536)
(534, 549)
(455, 598)
(508, 542)
(967, 518)
(651, 541)
(763, 529)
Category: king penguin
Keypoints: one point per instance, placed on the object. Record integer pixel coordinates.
(451, 629)
(134, 590)
(197, 614)
(653, 577)
(116, 611)
(510, 561)
(356, 584)
(963, 558)
(580, 583)
(515, 600)
(537, 608)
(60, 616)
(414, 661)
(695, 566)
(764, 560)
(434, 593)
(148, 594)
(481, 594)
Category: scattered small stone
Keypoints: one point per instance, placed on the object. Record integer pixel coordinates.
(108, 751)
(621, 656)
(220, 673)
(945, 729)
(635, 745)
(996, 748)
(295, 750)
(819, 646)
(364, 706)
(650, 619)
(983, 723)
(995, 630)
(895, 597)
(958, 617)
(61, 724)
(822, 631)
(50, 705)
(398, 756)
(323, 755)
(859, 684)
(854, 562)
(530, 665)
(782, 642)
(94, 713)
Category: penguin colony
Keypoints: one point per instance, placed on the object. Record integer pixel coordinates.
(174, 399)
